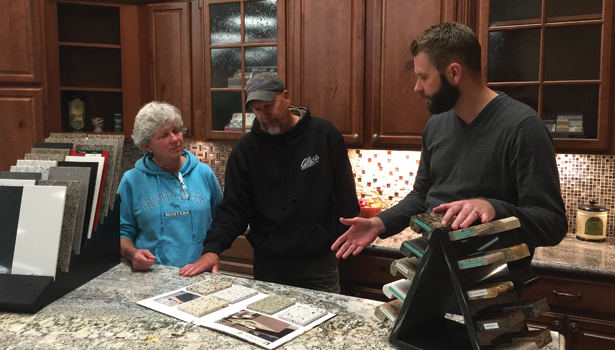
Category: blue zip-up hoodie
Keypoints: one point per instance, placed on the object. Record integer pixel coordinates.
(156, 215)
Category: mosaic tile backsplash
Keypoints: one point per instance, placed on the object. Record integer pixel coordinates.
(386, 177)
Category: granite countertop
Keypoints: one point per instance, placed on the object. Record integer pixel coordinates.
(591, 259)
(103, 314)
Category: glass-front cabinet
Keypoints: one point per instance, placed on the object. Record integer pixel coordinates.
(555, 56)
(242, 38)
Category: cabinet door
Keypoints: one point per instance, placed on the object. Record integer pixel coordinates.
(21, 123)
(325, 61)
(170, 55)
(20, 41)
(398, 114)
(587, 333)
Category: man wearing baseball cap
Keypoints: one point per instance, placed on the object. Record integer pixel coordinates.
(290, 180)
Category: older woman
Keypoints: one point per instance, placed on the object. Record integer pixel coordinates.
(168, 199)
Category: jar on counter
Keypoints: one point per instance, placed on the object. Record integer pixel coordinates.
(591, 221)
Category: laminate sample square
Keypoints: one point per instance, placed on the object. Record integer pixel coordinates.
(39, 230)
(73, 189)
(302, 314)
(235, 293)
(17, 182)
(209, 286)
(89, 212)
(97, 185)
(20, 175)
(203, 306)
(31, 169)
(10, 205)
(82, 176)
(271, 304)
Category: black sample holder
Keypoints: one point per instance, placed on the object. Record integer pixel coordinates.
(28, 294)
(437, 285)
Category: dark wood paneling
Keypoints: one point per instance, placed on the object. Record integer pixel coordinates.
(131, 73)
(21, 123)
(20, 41)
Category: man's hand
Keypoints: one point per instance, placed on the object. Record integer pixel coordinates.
(142, 259)
(467, 212)
(361, 233)
(207, 261)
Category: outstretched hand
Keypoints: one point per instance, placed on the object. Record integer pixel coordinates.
(361, 233)
(142, 260)
(207, 261)
(467, 211)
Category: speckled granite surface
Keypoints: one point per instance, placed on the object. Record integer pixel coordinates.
(103, 314)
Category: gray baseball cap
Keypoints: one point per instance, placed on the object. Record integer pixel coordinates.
(263, 87)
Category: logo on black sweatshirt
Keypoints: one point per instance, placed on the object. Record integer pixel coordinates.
(309, 162)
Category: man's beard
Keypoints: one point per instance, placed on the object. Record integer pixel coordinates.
(444, 99)
(272, 131)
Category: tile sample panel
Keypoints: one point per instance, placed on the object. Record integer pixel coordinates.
(63, 152)
(38, 230)
(90, 197)
(73, 194)
(31, 169)
(99, 172)
(113, 165)
(302, 314)
(36, 156)
(209, 286)
(271, 304)
(82, 176)
(17, 182)
(10, 204)
(235, 293)
(31, 162)
(24, 175)
(203, 306)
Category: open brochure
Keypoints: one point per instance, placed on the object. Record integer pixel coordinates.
(239, 319)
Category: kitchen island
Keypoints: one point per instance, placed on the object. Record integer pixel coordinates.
(103, 314)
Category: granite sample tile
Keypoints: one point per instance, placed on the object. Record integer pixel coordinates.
(10, 205)
(38, 230)
(271, 304)
(36, 156)
(203, 306)
(60, 151)
(82, 176)
(73, 194)
(302, 314)
(31, 169)
(235, 293)
(64, 136)
(209, 286)
(39, 162)
(103, 196)
(17, 182)
(97, 185)
(113, 166)
(89, 212)
(118, 162)
(26, 176)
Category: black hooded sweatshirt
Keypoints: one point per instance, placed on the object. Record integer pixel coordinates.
(291, 189)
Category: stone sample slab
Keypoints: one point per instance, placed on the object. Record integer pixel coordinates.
(203, 306)
(37, 162)
(302, 314)
(37, 156)
(235, 293)
(209, 286)
(10, 204)
(20, 175)
(44, 171)
(271, 304)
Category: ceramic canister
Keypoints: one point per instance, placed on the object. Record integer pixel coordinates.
(591, 221)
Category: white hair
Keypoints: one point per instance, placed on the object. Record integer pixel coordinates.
(151, 117)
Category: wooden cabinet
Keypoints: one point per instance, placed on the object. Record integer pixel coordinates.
(22, 80)
(556, 56)
(170, 52)
(581, 309)
(92, 52)
(349, 62)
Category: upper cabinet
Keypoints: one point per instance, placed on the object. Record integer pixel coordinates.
(92, 54)
(241, 38)
(556, 56)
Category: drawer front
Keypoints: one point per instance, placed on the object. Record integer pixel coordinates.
(573, 294)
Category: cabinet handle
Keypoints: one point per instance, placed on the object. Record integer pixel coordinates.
(375, 138)
(557, 325)
(573, 327)
(566, 294)
(355, 138)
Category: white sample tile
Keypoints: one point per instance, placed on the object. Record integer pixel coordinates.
(101, 163)
(235, 293)
(38, 230)
(17, 182)
(302, 314)
(203, 306)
